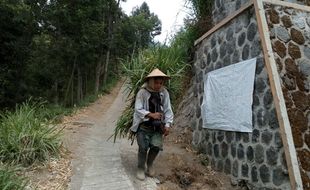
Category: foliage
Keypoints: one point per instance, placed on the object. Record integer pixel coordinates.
(9, 180)
(26, 136)
(170, 60)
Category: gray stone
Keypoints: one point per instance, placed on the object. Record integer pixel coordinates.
(203, 64)
(213, 42)
(224, 149)
(304, 66)
(245, 52)
(259, 65)
(220, 136)
(282, 34)
(307, 35)
(255, 100)
(196, 138)
(272, 33)
(238, 4)
(254, 174)
(259, 85)
(255, 48)
(307, 52)
(216, 150)
(238, 136)
(245, 137)
(227, 60)
(299, 22)
(252, 31)
(213, 137)
(231, 47)
(207, 135)
(245, 170)
(214, 55)
(264, 174)
(229, 136)
(200, 124)
(198, 111)
(218, 3)
(250, 154)
(209, 149)
(208, 59)
(308, 21)
(227, 168)
(273, 120)
(230, 34)
(272, 156)
(266, 137)
(268, 99)
(235, 168)
(278, 140)
(241, 39)
(218, 65)
(279, 177)
(240, 152)
(260, 118)
(233, 149)
(220, 166)
(236, 57)
(255, 136)
(259, 154)
(223, 50)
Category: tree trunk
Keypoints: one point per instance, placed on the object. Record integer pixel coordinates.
(70, 81)
(79, 86)
(97, 77)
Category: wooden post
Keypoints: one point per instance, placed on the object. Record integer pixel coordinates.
(288, 4)
(275, 84)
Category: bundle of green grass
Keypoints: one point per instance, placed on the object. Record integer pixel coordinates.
(170, 60)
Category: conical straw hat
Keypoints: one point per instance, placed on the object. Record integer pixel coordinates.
(157, 73)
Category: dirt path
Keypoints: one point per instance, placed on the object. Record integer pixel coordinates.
(98, 163)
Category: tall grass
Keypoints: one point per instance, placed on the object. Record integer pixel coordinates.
(170, 60)
(27, 137)
(9, 180)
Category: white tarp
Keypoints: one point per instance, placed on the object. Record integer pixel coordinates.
(228, 97)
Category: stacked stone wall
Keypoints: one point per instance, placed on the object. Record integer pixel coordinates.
(290, 37)
(255, 158)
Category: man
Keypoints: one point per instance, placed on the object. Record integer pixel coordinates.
(153, 117)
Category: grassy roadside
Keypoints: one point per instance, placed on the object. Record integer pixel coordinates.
(30, 136)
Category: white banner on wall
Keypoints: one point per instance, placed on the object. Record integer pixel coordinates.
(228, 97)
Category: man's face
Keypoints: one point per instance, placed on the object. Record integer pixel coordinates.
(158, 83)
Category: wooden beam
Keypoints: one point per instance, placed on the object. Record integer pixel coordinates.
(275, 84)
(288, 4)
(225, 21)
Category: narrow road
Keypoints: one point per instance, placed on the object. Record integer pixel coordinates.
(97, 162)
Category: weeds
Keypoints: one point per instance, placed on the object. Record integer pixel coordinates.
(26, 136)
(9, 180)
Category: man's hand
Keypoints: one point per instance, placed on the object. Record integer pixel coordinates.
(155, 115)
(166, 131)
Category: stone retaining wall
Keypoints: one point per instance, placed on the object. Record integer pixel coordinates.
(256, 158)
(290, 37)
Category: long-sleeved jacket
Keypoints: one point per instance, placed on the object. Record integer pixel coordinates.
(142, 108)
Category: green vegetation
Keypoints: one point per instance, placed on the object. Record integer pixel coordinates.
(26, 136)
(9, 180)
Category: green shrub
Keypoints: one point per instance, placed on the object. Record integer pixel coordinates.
(26, 137)
(9, 180)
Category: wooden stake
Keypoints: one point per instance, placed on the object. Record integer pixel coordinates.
(224, 22)
(275, 84)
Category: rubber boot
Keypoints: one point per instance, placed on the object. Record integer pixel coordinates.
(153, 152)
(141, 163)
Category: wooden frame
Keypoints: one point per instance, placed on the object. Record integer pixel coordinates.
(276, 89)
(224, 22)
